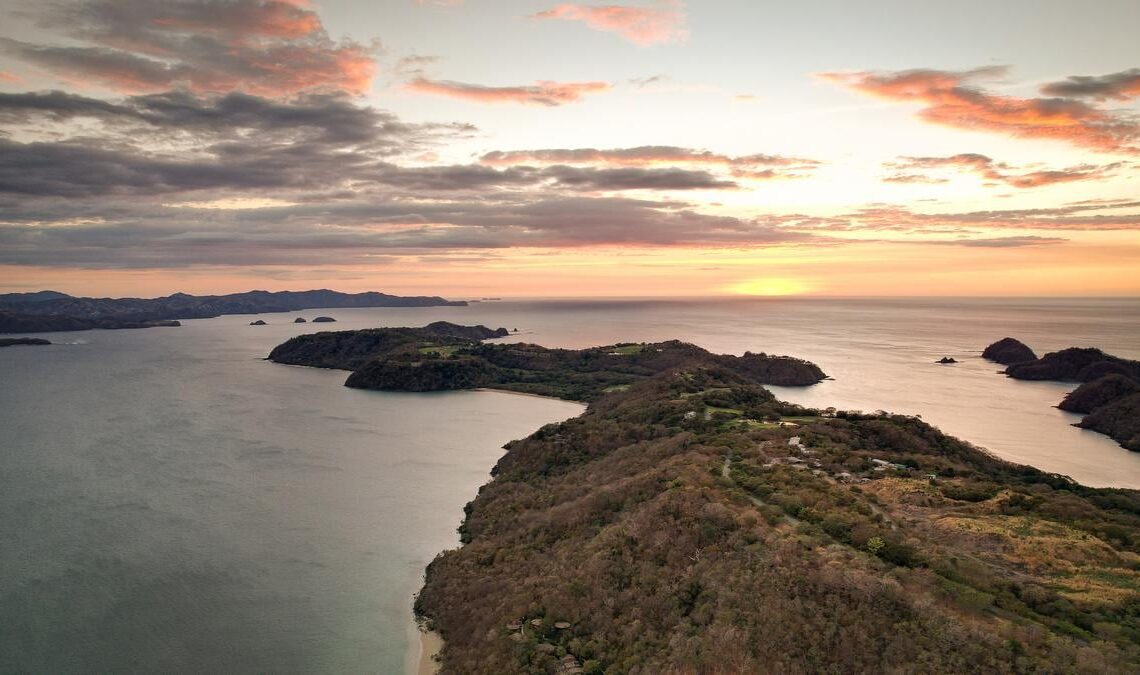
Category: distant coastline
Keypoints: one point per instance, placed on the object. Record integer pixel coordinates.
(51, 311)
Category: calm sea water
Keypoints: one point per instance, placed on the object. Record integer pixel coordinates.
(169, 502)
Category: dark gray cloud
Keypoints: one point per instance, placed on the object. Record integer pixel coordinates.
(635, 178)
(357, 231)
(178, 142)
(1120, 86)
(239, 142)
(334, 118)
(1002, 242)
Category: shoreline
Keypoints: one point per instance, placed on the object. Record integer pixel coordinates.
(423, 646)
(525, 393)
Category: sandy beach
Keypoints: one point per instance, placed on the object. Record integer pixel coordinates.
(430, 644)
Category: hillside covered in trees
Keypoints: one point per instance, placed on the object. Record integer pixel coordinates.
(693, 523)
(689, 521)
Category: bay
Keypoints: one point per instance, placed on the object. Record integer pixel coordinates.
(173, 502)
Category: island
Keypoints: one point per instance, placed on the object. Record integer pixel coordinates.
(443, 355)
(1007, 351)
(49, 311)
(299, 319)
(688, 521)
(1109, 394)
(259, 322)
(324, 319)
(947, 360)
(17, 342)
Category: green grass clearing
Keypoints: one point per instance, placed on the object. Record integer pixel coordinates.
(442, 350)
(625, 350)
(730, 411)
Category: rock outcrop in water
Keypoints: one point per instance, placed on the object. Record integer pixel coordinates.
(16, 342)
(1112, 407)
(1108, 395)
(259, 322)
(25, 313)
(324, 319)
(947, 360)
(1101, 391)
(1120, 419)
(299, 319)
(1007, 351)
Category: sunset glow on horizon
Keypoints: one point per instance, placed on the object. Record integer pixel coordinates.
(545, 149)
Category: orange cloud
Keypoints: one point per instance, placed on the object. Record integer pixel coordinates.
(540, 93)
(11, 78)
(640, 25)
(275, 48)
(243, 20)
(995, 171)
(947, 99)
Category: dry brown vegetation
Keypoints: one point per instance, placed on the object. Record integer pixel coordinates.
(879, 545)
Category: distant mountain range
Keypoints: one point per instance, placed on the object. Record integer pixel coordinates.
(46, 311)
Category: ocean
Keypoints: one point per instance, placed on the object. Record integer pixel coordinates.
(172, 502)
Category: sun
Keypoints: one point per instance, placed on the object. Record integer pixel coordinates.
(770, 287)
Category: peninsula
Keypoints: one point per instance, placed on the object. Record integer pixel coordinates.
(17, 342)
(444, 355)
(688, 521)
(1109, 394)
(48, 311)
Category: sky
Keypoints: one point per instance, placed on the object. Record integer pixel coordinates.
(533, 148)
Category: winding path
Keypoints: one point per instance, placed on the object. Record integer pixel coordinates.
(726, 470)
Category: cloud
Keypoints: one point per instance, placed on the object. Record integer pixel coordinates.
(643, 82)
(756, 166)
(643, 26)
(635, 178)
(272, 48)
(540, 93)
(914, 178)
(1001, 242)
(415, 64)
(360, 231)
(331, 118)
(1121, 86)
(947, 98)
(162, 144)
(169, 143)
(997, 172)
(1076, 217)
